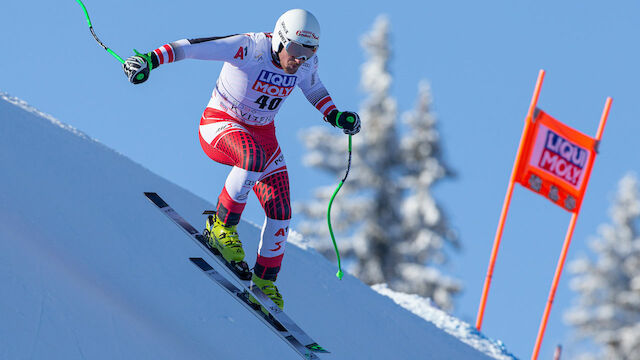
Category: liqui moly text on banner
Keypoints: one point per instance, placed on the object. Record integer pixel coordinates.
(560, 157)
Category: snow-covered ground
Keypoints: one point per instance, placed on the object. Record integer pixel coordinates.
(91, 270)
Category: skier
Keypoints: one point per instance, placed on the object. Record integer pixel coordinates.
(237, 127)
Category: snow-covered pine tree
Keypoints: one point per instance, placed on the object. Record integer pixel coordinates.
(607, 310)
(425, 225)
(378, 166)
(369, 212)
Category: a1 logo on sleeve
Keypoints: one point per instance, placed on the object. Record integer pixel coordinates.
(241, 53)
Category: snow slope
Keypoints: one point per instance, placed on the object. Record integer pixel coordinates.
(90, 269)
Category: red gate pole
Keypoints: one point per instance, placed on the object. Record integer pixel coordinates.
(567, 241)
(507, 201)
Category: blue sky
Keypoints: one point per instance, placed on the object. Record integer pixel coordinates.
(481, 58)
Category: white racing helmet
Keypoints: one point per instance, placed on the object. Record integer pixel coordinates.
(298, 31)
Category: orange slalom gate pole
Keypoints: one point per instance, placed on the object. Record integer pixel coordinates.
(567, 242)
(554, 285)
(507, 202)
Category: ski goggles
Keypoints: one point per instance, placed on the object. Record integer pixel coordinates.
(300, 51)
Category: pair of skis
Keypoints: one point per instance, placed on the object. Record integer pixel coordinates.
(278, 321)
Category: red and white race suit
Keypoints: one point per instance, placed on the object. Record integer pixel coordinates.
(237, 129)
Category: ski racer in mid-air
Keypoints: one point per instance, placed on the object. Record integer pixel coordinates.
(237, 128)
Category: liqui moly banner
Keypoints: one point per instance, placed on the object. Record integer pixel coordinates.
(556, 161)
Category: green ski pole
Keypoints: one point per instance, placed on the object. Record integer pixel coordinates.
(333, 238)
(95, 36)
(141, 75)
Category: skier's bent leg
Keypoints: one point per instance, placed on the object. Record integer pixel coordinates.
(273, 193)
(269, 260)
(271, 248)
(233, 197)
(231, 202)
(227, 142)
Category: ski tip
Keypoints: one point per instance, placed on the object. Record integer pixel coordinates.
(317, 348)
(156, 199)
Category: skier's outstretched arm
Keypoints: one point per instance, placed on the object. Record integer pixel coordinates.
(319, 97)
(233, 49)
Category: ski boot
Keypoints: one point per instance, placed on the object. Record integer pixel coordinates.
(268, 288)
(224, 241)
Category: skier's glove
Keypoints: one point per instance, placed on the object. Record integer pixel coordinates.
(348, 121)
(137, 67)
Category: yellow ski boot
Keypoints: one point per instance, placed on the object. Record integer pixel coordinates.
(224, 241)
(268, 288)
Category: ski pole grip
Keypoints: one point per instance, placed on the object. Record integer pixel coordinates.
(143, 75)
